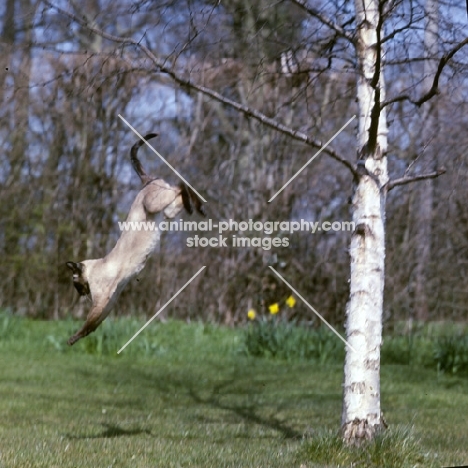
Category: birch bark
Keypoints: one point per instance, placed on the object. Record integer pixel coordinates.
(361, 417)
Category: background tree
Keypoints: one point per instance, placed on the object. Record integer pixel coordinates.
(426, 160)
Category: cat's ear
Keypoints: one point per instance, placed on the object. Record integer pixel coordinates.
(76, 268)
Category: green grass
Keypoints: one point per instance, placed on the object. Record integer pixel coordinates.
(188, 395)
(394, 447)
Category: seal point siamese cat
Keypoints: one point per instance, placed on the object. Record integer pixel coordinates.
(103, 279)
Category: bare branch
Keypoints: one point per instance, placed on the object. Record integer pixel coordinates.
(164, 66)
(409, 179)
(327, 21)
(407, 26)
(434, 90)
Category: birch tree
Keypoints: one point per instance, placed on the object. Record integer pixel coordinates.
(362, 417)
(361, 403)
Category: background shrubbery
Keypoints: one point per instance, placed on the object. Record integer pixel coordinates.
(443, 347)
(429, 347)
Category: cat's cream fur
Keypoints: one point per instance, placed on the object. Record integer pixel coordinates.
(103, 279)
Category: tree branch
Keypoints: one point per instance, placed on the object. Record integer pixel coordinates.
(397, 31)
(434, 90)
(327, 21)
(163, 67)
(409, 179)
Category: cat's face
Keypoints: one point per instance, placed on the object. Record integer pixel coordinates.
(79, 281)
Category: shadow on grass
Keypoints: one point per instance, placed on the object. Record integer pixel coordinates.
(247, 411)
(248, 414)
(111, 431)
(240, 394)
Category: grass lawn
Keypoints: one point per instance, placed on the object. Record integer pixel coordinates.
(185, 395)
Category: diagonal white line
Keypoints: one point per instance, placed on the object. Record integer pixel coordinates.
(161, 309)
(312, 158)
(312, 309)
(162, 159)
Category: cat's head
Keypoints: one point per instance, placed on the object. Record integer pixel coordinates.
(79, 281)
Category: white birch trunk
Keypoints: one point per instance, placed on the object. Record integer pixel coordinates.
(361, 416)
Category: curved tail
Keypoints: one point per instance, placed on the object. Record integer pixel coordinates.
(144, 177)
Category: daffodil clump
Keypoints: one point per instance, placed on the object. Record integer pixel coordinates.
(274, 308)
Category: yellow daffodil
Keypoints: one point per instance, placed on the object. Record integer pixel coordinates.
(251, 314)
(274, 308)
(291, 302)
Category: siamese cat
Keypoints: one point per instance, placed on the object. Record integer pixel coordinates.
(103, 279)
